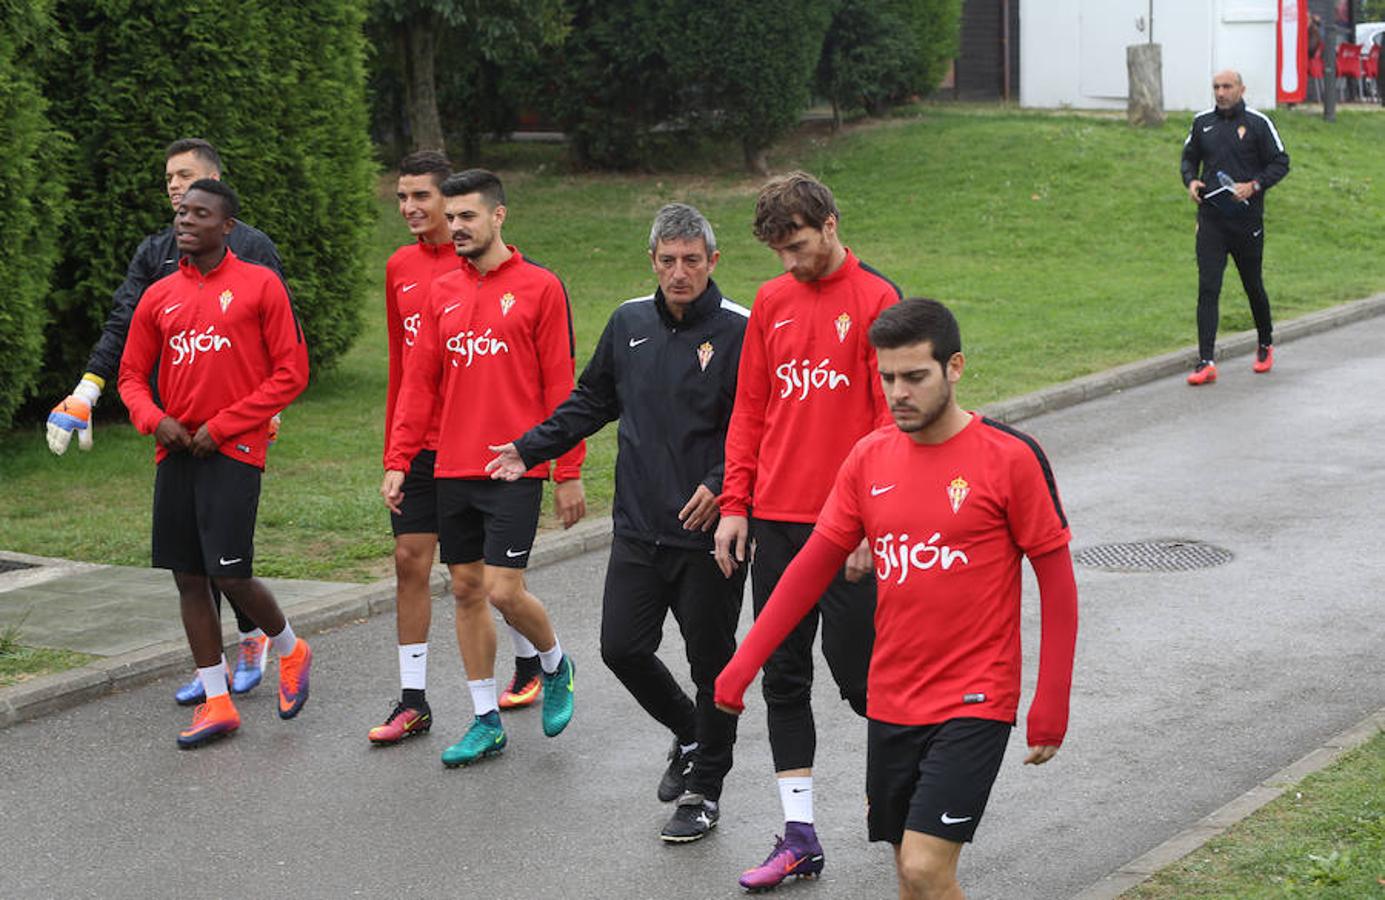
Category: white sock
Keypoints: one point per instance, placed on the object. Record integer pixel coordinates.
(550, 658)
(483, 695)
(251, 634)
(413, 666)
(214, 679)
(523, 648)
(284, 641)
(796, 796)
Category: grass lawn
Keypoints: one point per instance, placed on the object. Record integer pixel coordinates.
(1324, 838)
(1064, 242)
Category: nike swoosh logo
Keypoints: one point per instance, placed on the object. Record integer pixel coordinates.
(169, 309)
(877, 491)
(569, 678)
(636, 343)
(782, 322)
(448, 309)
(949, 820)
(1256, 232)
(169, 262)
(418, 655)
(499, 738)
(1207, 128)
(800, 790)
(515, 554)
(408, 287)
(230, 562)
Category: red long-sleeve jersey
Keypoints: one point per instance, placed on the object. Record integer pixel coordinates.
(408, 274)
(807, 390)
(493, 358)
(229, 352)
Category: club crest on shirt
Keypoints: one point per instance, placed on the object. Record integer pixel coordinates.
(225, 298)
(704, 354)
(507, 300)
(1241, 132)
(957, 491)
(843, 323)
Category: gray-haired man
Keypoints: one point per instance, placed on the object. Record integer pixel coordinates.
(666, 368)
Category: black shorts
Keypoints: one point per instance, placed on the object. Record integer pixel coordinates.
(933, 779)
(490, 520)
(204, 515)
(418, 511)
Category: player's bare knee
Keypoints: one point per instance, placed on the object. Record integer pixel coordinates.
(927, 874)
(467, 591)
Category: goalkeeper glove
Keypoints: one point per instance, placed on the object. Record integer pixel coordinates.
(73, 413)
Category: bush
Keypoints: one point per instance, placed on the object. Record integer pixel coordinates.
(880, 53)
(612, 85)
(748, 67)
(278, 88)
(32, 197)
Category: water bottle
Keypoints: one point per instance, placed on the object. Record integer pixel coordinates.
(1229, 183)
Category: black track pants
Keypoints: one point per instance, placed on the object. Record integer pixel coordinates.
(847, 612)
(644, 581)
(1244, 240)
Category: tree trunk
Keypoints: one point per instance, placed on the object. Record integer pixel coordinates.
(419, 35)
(1144, 62)
(756, 159)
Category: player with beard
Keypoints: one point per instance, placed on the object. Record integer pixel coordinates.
(494, 356)
(949, 502)
(806, 391)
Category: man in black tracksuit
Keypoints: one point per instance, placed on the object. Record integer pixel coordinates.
(185, 161)
(666, 368)
(1241, 144)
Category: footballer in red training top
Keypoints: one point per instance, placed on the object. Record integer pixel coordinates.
(950, 502)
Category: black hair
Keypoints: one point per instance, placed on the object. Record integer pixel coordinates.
(476, 181)
(230, 203)
(426, 162)
(915, 320)
(203, 149)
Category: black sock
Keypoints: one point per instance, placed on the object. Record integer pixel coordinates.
(527, 667)
(415, 698)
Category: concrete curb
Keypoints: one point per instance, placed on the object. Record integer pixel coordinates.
(61, 690)
(1142, 868)
(64, 689)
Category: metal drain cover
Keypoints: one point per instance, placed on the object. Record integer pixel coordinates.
(14, 565)
(1164, 555)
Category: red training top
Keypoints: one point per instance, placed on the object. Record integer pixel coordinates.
(948, 524)
(807, 390)
(228, 350)
(497, 349)
(409, 272)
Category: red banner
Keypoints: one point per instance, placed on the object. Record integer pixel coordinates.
(1291, 44)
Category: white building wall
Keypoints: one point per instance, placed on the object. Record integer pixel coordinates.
(1072, 52)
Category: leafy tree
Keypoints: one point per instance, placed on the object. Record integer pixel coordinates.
(32, 197)
(278, 88)
(436, 56)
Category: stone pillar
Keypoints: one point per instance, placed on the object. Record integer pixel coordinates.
(1145, 64)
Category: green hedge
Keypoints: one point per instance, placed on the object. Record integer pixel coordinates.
(32, 198)
(278, 88)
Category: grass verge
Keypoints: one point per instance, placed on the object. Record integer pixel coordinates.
(20, 663)
(1323, 838)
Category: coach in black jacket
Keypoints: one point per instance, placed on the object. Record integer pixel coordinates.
(666, 368)
(1244, 145)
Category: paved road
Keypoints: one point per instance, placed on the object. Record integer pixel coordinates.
(1190, 688)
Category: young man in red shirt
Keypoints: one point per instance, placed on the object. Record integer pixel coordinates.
(806, 391)
(230, 354)
(494, 356)
(185, 160)
(949, 502)
(408, 274)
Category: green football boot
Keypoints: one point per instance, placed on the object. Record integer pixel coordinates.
(484, 738)
(557, 697)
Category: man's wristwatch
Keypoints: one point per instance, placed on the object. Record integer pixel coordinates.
(1255, 186)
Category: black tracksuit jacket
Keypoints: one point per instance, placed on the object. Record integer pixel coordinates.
(157, 257)
(671, 384)
(1241, 142)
